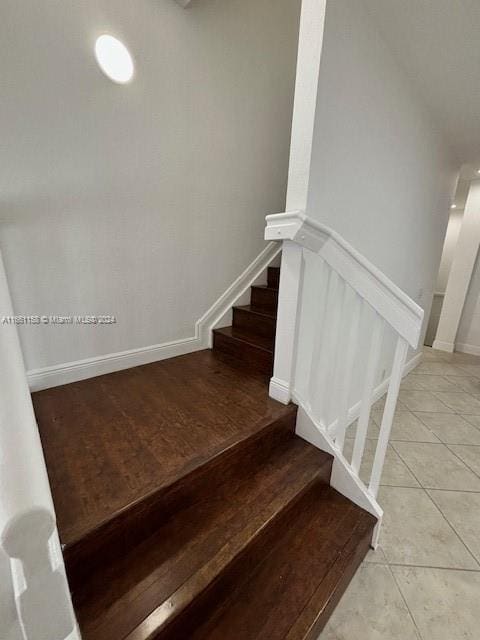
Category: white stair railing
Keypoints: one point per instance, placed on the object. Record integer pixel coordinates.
(34, 596)
(343, 333)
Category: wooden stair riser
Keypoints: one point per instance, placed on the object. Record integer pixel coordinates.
(273, 277)
(250, 321)
(318, 611)
(290, 592)
(138, 521)
(184, 622)
(256, 358)
(264, 298)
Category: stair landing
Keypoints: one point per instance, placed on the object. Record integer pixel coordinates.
(109, 441)
(189, 509)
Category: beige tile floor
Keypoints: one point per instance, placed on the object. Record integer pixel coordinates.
(423, 582)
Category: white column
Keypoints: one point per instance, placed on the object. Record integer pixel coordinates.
(310, 42)
(461, 272)
(29, 547)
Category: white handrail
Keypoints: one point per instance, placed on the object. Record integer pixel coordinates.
(35, 601)
(393, 304)
(314, 366)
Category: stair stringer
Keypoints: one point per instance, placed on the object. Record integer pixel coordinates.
(342, 478)
(224, 304)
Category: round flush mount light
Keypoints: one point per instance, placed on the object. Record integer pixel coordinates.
(114, 59)
(454, 206)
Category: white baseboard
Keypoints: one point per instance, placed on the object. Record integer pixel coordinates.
(204, 326)
(473, 349)
(279, 390)
(82, 369)
(443, 346)
(91, 367)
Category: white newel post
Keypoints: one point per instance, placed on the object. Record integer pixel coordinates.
(35, 600)
(288, 294)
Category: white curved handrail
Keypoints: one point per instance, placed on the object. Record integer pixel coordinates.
(334, 307)
(393, 304)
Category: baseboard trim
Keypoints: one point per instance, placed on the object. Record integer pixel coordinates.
(443, 346)
(472, 349)
(68, 372)
(204, 326)
(279, 390)
(54, 376)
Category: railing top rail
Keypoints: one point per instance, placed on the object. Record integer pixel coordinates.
(393, 304)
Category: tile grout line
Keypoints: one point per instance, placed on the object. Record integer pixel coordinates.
(424, 489)
(458, 457)
(451, 524)
(428, 566)
(406, 603)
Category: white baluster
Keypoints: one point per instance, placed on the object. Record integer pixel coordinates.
(335, 360)
(366, 403)
(325, 280)
(288, 296)
(346, 382)
(320, 370)
(309, 329)
(388, 414)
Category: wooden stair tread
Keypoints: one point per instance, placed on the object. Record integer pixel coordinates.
(158, 579)
(260, 312)
(109, 441)
(292, 592)
(249, 338)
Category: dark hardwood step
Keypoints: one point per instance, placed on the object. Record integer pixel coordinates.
(113, 537)
(250, 320)
(264, 298)
(154, 588)
(109, 441)
(273, 277)
(292, 592)
(248, 348)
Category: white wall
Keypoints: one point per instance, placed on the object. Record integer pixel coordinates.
(468, 336)
(460, 276)
(381, 174)
(451, 237)
(143, 201)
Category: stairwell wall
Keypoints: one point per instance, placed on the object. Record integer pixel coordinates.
(143, 201)
(381, 174)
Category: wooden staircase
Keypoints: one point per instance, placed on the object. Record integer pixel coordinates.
(251, 338)
(242, 539)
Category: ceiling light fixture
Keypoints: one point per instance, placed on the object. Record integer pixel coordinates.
(114, 59)
(454, 206)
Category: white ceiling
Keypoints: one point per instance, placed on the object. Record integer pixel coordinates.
(438, 44)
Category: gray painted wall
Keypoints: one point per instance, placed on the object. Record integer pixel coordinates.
(144, 201)
(381, 174)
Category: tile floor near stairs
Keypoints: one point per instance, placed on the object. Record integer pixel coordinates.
(423, 582)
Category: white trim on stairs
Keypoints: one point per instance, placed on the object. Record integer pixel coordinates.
(90, 367)
(68, 372)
